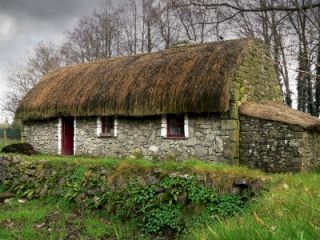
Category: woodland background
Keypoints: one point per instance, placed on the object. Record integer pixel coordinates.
(289, 28)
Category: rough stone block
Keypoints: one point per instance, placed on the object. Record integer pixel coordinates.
(229, 124)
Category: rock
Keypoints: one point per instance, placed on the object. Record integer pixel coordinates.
(22, 201)
(154, 148)
(41, 225)
(16, 159)
(241, 182)
(183, 199)
(235, 191)
(44, 190)
(219, 144)
(6, 195)
(8, 200)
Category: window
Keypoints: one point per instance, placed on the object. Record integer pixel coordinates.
(175, 125)
(107, 126)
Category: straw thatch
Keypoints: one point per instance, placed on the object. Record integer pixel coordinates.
(193, 78)
(280, 113)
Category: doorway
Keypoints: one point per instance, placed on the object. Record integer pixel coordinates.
(67, 134)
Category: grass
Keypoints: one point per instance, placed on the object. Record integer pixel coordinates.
(289, 209)
(9, 141)
(53, 219)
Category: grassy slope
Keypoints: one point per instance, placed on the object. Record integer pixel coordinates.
(289, 209)
(51, 219)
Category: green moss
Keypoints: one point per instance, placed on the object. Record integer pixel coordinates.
(257, 77)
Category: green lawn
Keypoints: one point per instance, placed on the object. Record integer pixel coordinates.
(54, 219)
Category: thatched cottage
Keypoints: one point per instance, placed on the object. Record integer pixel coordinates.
(218, 101)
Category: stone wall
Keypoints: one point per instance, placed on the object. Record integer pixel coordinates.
(42, 135)
(277, 147)
(256, 78)
(209, 139)
(60, 177)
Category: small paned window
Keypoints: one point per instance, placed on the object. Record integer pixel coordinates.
(107, 126)
(175, 125)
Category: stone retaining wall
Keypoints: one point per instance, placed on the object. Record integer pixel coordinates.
(277, 147)
(50, 177)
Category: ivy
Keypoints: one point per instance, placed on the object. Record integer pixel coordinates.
(163, 217)
(73, 186)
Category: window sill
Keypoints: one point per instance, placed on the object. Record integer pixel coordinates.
(106, 136)
(175, 138)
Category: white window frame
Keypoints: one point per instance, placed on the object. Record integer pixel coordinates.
(99, 127)
(59, 136)
(186, 125)
(164, 126)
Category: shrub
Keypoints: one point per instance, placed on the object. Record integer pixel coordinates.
(21, 148)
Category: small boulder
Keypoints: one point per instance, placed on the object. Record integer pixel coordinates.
(8, 200)
(6, 195)
(22, 201)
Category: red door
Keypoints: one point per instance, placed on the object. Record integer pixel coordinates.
(67, 136)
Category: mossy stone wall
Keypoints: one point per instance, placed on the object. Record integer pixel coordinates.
(277, 147)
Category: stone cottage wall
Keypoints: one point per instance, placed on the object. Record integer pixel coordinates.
(209, 139)
(277, 147)
(42, 135)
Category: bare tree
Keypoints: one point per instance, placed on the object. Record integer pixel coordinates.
(22, 77)
(94, 37)
(281, 24)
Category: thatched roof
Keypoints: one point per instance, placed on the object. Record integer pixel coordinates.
(194, 78)
(280, 113)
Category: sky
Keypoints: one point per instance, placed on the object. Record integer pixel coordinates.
(24, 23)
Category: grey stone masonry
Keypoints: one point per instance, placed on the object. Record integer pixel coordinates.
(208, 136)
(277, 147)
(42, 135)
(8, 167)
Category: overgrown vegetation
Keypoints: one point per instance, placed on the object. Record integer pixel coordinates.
(159, 199)
(286, 209)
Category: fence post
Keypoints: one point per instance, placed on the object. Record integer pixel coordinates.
(5, 136)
